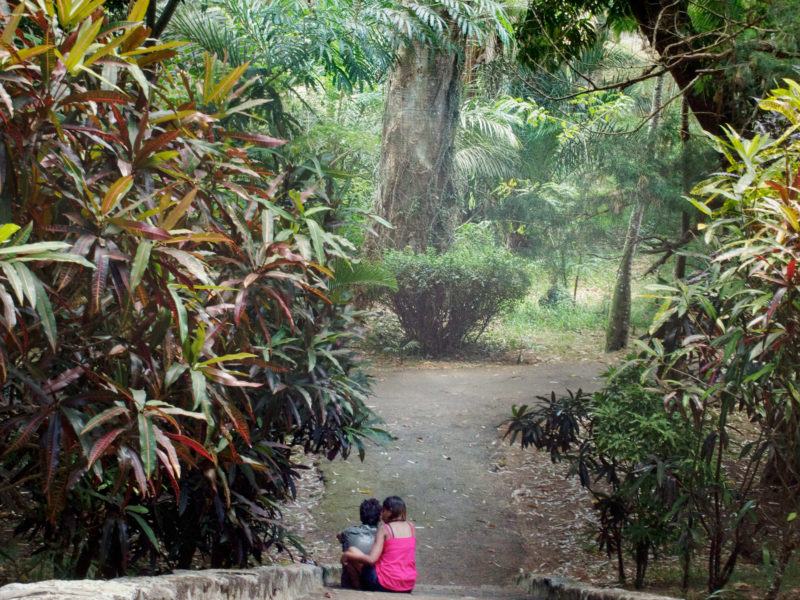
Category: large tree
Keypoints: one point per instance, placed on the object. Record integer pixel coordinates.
(721, 55)
(416, 191)
(421, 44)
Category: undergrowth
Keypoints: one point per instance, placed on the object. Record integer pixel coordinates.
(532, 329)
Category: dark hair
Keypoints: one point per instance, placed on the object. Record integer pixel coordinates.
(370, 511)
(396, 508)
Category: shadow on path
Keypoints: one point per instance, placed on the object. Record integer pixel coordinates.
(443, 464)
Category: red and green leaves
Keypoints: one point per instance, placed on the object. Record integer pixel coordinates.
(157, 289)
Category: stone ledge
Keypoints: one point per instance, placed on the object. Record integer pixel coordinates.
(545, 587)
(331, 574)
(262, 583)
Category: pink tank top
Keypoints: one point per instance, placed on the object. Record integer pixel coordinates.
(396, 567)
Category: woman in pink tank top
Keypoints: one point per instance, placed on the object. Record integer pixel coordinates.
(390, 566)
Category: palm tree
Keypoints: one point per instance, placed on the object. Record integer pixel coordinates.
(291, 45)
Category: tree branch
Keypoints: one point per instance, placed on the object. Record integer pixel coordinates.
(166, 14)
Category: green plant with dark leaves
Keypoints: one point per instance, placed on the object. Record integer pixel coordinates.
(627, 451)
(730, 336)
(167, 337)
(722, 361)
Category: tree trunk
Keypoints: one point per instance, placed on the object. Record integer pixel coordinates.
(686, 560)
(642, 556)
(686, 223)
(619, 321)
(785, 556)
(663, 23)
(416, 192)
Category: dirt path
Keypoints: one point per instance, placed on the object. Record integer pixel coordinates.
(447, 464)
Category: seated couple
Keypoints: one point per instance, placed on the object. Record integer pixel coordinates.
(380, 558)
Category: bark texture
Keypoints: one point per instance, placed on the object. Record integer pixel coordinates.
(665, 23)
(686, 222)
(416, 192)
(619, 321)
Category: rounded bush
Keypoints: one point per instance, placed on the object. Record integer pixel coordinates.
(444, 298)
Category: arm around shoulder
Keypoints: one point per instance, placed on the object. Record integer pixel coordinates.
(354, 553)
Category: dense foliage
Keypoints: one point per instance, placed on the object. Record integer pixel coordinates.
(447, 298)
(722, 55)
(731, 331)
(629, 453)
(166, 334)
(722, 458)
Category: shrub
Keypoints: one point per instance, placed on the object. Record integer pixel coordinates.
(627, 451)
(722, 359)
(444, 298)
(165, 337)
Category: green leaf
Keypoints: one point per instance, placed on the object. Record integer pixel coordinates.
(226, 357)
(312, 358)
(7, 230)
(381, 220)
(316, 239)
(14, 280)
(192, 264)
(102, 417)
(115, 193)
(197, 345)
(55, 257)
(147, 443)
(140, 78)
(180, 309)
(140, 263)
(22, 235)
(139, 398)
(10, 30)
(174, 371)
(86, 35)
(701, 206)
(145, 528)
(758, 374)
(138, 10)
(45, 311)
(29, 283)
(180, 209)
(29, 248)
(199, 389)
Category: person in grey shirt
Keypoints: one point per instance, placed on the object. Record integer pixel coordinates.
(361, 536)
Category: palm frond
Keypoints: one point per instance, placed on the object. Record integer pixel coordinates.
(209, 31)
(484, 161)
(348, 275)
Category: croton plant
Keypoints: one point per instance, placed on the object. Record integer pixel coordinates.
(165, 333)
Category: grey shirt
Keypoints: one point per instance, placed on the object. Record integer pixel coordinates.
(361, 536)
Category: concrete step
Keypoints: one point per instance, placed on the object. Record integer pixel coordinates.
(529, 587)
(480, 592)
(426, 592)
